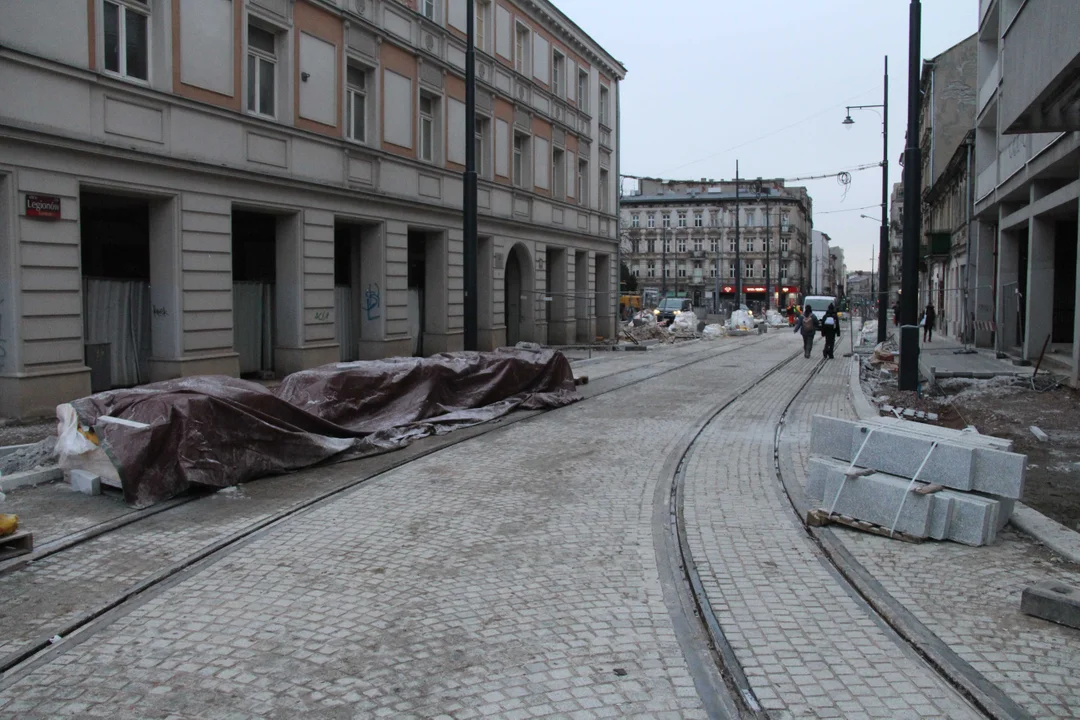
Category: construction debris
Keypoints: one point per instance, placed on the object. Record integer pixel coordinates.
(1039, 434)
(911, 478)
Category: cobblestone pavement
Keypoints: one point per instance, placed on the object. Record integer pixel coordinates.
(807, 647)
(513, 575)
(55, 591)
(968, 597)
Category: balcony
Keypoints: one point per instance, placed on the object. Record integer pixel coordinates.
(989, 87)
(1041, 55)
(986, 181)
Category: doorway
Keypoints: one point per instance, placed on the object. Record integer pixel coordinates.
(346, 279)
(514, 296)
(581, 296)
(254, 258)
(115, 251)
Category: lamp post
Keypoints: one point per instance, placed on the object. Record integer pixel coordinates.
(883, 240)
(469, 200)
(908, 378)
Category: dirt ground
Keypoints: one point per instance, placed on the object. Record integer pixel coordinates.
(1007, 408)
(21, 434)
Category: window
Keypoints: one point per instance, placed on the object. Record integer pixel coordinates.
(261, 66)
(749, 218)
(483, 134)
(637, 271)
(127, 39)
(635, 245)
(712, 219)
(731, 245)
(698, 220)
(748, 271)
(583, 90)
(682, 218)
(783, 222)
(521, 49)
(712, 271)
(583, 181)
(356, 103)
(667, 245)
(697, 264)
(652, 245)
(521, 154)
(427, 128)
(783, 244)
(482, 9)
(667, 220)
(604, 109)
(697, 244)
(603, 190)
(650, 268)
(783, 273)
(635, 220)
(682, 272)
(558, 174)
(749, 244)
(652, 220)
(427, 9)
(714, 244)
(731, 270)
(558, 73)
(668, 271)
(682, 245)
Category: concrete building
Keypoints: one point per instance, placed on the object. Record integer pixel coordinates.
(820, 262)
(262, 186)
(859, 285)
(681, 238)
(1027, 189)
(946, 138)
(837, 271)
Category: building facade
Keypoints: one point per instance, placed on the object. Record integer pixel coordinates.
(681, 238)
(820, 262)
(946, 138)
(1027, 186)
(261, 186)
(896, 241)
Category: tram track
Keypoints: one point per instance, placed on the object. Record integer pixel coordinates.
(28, 654)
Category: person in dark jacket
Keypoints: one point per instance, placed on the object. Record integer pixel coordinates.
(929, 318)
(896, 314)
(807, 324)
(830, 330)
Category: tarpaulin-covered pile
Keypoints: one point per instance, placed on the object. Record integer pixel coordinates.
(218, 431)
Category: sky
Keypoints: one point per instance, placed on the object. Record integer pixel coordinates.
(766, 82)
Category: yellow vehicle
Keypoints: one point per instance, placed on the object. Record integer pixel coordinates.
(633, 301)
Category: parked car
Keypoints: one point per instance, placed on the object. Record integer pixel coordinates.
(670, 307)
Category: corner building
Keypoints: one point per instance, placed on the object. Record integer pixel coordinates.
(255, 187)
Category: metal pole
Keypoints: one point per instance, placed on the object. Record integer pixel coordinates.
(663, 262)
(738, 249)
(768, 242)
(469, 201)
(719, 252)
(882, 298)
(909, 301)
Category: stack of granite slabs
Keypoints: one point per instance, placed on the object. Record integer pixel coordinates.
(980, 477)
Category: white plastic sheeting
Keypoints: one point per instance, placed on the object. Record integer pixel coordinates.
(253, 323)
(345, 325)
(118, 312)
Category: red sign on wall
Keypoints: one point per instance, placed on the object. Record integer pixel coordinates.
(43, 206)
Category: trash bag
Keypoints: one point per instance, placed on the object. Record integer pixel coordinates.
(78, 448)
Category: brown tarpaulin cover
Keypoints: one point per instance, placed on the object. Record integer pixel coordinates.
(218, 431)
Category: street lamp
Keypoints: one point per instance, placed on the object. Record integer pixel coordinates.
(883, 240)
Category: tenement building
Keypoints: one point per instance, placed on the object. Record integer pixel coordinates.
(1027, 183)
(682, 238)
(255, 187)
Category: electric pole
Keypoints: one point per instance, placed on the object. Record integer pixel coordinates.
(469, 199)
(909, 276)
(738, 248)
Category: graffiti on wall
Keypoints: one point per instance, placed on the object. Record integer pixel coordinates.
(372, 301)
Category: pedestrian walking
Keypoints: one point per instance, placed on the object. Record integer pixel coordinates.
(830, 330)
(929, 318)
(896, 314)
(807, 325)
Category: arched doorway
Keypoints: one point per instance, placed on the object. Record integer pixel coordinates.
(517, 296)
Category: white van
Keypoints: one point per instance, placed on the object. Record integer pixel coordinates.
(819, 304)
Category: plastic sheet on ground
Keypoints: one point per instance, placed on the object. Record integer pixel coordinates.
(217, 431)
(713, 332)
(775, 319)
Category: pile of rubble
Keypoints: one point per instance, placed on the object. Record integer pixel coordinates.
(906, 479)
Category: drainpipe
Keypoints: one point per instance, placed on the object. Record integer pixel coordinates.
(970, 202)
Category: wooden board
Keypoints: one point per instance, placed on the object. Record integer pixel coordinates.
(20, 542)
(820, 518)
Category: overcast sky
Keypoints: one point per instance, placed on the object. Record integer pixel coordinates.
(766, 82)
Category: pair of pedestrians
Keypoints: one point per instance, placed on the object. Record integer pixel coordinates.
(829, 325)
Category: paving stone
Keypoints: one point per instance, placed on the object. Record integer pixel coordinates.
(1054, 601)
(974, 518)
(876, 498)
